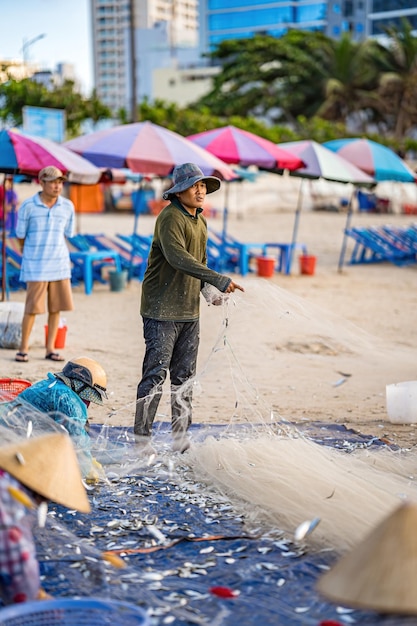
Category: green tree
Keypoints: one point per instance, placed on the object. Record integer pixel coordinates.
(275, 79)
(396, 60)
(351, 82)
(95, 110)
(15, 94)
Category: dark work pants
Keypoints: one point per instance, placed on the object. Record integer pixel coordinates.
(170, 347)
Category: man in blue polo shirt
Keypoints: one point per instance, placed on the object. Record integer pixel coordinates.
(43, 222)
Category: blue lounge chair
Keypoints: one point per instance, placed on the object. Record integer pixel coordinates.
(245, 253)
(404, 237)
(131, 259)
(140, 243)
(13, 266)
(373, 245)
(88, 263)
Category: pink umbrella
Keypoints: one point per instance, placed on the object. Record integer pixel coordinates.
(26, 154)
(234, 145)
(146, 148)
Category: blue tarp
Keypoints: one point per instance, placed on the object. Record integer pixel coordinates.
(204, 544)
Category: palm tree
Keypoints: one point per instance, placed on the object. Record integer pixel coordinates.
(351, 82)
(396, 61)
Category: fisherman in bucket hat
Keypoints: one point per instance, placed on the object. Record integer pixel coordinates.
(32, 472)
(177, 273)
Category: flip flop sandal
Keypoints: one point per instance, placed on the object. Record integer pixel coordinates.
(21, 357)
(54, 356)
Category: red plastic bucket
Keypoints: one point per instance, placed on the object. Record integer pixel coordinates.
(60, 337)
(266, 266)
(307, 264)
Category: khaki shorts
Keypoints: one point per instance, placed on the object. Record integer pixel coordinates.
(58, 293)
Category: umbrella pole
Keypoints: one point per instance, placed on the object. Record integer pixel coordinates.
(136, 206)
(296, 222)
(224, 231)
(345, 236)
(3, 247)
(77, 210)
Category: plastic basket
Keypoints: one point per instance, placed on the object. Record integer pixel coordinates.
(73, 612)
(11, 387)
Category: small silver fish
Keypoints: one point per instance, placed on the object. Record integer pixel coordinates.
(306, 528)
(42, 513)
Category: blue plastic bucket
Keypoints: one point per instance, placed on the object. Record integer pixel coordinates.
(118, 280)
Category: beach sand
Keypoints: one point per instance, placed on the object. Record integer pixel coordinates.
(318, 348)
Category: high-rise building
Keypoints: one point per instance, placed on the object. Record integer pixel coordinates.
(172, 35)
(111, 25)
(368, 18)
(238, 19)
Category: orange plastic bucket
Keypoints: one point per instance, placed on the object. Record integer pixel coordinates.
(307, 264)
(60, 337)
(266, 266)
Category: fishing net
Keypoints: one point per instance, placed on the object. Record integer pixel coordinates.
(263, 460)
(21, 420)
(272, 467)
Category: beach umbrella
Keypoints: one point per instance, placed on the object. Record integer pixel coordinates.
(26, 154)
(320, 162)
(371, 157)
(376, 160)
(146, 148)
(243, 148)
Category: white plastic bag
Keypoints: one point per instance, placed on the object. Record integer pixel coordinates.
(11, 315)
(212, 295)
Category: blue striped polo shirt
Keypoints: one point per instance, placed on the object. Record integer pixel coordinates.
(45, 253)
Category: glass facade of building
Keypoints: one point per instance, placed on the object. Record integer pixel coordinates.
(368, 18)
(389, 13)
(393, 5)
(236, 19)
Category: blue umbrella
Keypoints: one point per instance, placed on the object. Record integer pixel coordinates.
(371, 157)
(321, 163)
(376, 160)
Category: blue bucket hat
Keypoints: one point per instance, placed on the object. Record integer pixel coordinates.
(186, 175)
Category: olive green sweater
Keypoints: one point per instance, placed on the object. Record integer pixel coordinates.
(177, 267)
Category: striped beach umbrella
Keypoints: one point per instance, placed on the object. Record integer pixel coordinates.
(146, 148)
(371, 157)
(234, 145)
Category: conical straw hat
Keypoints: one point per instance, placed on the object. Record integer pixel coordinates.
(48, 465)
(381, 572)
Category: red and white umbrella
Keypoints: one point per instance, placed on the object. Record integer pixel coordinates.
(241, 147)
(146, 148)
(27, 154)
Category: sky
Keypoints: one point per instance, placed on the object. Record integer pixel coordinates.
(66, 25)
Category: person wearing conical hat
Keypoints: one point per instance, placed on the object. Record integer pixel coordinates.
(66, 396)
(32, 472)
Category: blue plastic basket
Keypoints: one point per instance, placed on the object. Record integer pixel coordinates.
(73, 612)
